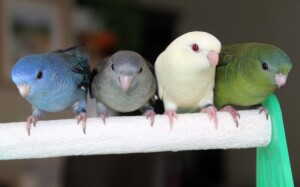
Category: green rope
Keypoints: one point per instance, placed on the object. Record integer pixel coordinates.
(273, 167)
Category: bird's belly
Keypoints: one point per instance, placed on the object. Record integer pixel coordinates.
(186, 96)
(248, 97)
(54, 103)
(247, 100)
(121, 101)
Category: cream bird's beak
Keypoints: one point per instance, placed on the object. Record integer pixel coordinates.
(125, 82)
(213, 57)
(280, 80)
(24, 90)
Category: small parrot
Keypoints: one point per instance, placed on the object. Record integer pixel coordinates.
(185, 74)
(52, 82)
(124, 82)
(247, 74)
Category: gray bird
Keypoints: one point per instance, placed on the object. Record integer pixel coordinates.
(124, 82)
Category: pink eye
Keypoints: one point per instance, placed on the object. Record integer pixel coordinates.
(195, 47)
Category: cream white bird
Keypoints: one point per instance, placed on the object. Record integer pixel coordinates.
(185, 74)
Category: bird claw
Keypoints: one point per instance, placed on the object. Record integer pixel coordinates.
(31, 120)
(263, 109)
(171, 114)
(103, 116)
(82, 117)
(150, 114)
(234, 113)
(212, 114)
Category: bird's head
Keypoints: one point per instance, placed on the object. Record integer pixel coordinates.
(32, 76)
(272, 65)
(125, 66)
(197, 48)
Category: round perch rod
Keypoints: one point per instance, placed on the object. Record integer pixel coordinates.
(122, 135)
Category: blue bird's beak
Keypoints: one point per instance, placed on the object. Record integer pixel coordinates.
(23, 89)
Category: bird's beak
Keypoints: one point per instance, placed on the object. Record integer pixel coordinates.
(213, 57)
(280, 80)
(24, 90)
(125, 82)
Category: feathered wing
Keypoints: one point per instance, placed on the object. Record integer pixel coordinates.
(220, 89)
(151, 67)
(79, 64)
(159, 72)
(227, 55)
(227, 73)
(96, 71)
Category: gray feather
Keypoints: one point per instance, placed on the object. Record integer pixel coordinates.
(106, 86)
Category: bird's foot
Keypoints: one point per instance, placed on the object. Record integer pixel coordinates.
(150, 114)
(233, 112)
(103, 116)
(82, 117)
(211, 110)
(171, 114)
(31, 120)
(263, 109)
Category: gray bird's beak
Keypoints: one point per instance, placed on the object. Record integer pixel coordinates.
(280, 80)
(24, 90)
(213, 57)
(125, 82)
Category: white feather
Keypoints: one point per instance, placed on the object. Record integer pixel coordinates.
(186, 78)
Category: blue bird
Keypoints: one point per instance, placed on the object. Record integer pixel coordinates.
(52, 82)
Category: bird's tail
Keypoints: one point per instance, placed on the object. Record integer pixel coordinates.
(78, 51)
(70, 48)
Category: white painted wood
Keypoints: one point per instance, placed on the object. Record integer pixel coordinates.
(122, 135)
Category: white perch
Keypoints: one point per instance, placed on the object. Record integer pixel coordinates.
(122, 135)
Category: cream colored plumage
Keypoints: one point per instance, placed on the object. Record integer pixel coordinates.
(185, 73)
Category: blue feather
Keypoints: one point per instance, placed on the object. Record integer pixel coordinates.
(56, 81)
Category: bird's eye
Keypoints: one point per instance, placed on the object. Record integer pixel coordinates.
(195, 48)
(265, 66)
(39, 75)
(113, 67)
(140, 71)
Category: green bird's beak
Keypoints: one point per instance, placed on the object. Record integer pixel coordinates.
(280, 80)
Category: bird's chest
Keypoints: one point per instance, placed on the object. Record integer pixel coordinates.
(59, 97)
(248, 93)
(116, 99)
(190, 88)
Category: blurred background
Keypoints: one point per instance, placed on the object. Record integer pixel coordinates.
(145, 26)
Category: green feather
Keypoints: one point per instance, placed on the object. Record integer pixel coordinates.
(240, 77)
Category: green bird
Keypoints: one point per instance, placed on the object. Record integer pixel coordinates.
(247, 74)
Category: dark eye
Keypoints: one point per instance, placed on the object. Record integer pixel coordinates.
(39, 75)
(195, 47)
(265, 66)
(113, 67)
(141, 70)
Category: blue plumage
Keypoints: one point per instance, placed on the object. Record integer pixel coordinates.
(53, 81)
